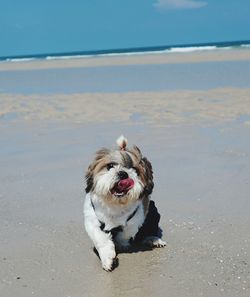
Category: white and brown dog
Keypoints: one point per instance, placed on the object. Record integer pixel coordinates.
(117, 209)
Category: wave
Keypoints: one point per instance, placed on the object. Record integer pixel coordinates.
(192, 49)
(18, 59)
(132, 51)
(66, 57)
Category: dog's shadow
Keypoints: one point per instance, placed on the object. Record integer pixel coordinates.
(136, 248)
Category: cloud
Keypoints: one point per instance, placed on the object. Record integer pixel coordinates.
(179, 4)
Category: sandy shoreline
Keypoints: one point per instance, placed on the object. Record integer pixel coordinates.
(198, 142)
(169, 58)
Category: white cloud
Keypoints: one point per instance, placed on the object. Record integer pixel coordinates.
(179, 4)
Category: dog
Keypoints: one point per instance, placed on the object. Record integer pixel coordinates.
(118, 211)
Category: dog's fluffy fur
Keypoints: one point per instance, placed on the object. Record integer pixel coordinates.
(117, 215)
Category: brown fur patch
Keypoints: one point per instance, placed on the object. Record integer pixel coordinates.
(144, 169)
(100, 161)
(148, 174)
(145, 202)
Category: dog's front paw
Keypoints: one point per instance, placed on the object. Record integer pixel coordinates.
(109, 264)
(154, 241)
(108, 258)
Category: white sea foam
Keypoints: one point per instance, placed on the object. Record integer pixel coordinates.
(155, 52)
(146, 51)
(133, 53)
(67, 57)
(19, 59)
(106, 55)
(192, 49)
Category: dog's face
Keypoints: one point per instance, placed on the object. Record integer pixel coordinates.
(120, 176)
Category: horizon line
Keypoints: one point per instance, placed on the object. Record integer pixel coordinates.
(124, 49)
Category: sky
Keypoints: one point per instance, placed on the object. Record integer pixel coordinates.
(56, 26)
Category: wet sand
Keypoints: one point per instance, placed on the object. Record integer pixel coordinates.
(157, 75)
(198, 142)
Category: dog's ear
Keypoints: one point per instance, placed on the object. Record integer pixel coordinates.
(136, 151)
(148, 177)
(93, 167)
(148, 171)
(89, 179)
(100, 155)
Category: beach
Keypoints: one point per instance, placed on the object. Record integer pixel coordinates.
(190, 115)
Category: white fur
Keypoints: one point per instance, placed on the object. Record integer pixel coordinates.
(122, 142)
(154, 241)
(112, 216)
(113, 211)
(105, 180)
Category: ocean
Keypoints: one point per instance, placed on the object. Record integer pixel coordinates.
(183, 48)
(131, 77)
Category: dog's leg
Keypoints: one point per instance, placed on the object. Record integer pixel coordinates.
(150, 234)
(123, 239)
(103, 243)
(122, 242)
(106, 249)
(154, 241)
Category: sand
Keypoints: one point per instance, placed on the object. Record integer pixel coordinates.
(198, 142)
(158, 108)
(169, 58)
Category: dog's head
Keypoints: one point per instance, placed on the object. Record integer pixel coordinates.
(121, 175)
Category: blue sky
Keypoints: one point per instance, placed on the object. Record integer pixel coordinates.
(49, 26)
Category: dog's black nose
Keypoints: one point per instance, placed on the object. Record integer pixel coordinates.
(122, 175)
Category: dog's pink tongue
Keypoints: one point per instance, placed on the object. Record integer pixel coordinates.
(125, 184)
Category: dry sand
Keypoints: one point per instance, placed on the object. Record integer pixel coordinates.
(158, 108)
(198, 142)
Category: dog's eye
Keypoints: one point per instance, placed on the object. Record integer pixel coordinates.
(136, 170)
(110, 165)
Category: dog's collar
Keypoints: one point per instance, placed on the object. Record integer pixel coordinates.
(117, 229)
